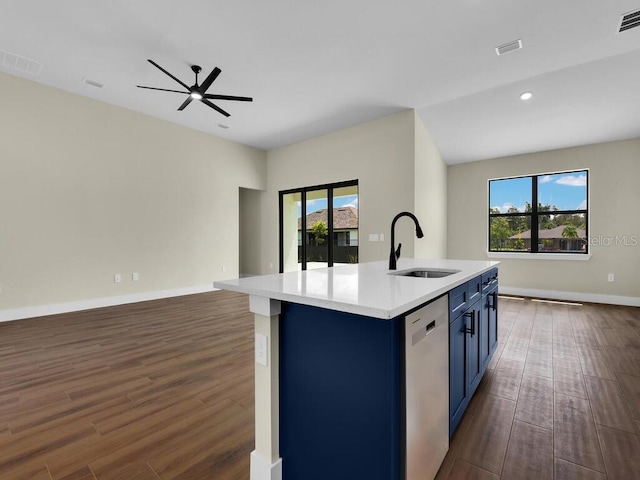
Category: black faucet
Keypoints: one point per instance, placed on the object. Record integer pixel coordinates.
(395, 254)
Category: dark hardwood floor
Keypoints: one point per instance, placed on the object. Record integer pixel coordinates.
(164, 390)
(155, 390)
(561, 398)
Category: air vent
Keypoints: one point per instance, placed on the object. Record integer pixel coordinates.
(629, 20)
(509, 47)
(224, 127)
(20, 63)
(93, 83)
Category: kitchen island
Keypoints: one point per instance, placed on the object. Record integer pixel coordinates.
(336, 390)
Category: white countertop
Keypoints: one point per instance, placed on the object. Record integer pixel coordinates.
(363, 288)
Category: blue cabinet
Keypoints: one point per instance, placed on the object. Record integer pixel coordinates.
(341, 395)
(473, 337)
(465, 362)
(458, 385)
(475, 360)
(492, 307)
(492, 311)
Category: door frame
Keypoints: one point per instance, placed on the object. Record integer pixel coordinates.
(329, 187)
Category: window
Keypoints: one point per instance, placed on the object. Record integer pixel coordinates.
(545, 213)
(328, 235)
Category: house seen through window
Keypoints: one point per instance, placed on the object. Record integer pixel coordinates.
(319, 226)
(544, 213)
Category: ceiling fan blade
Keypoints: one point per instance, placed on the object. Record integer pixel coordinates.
(215, 107)
(163, 70)
(186, 102)
(209, 80)
(163, 89)
(229, 97)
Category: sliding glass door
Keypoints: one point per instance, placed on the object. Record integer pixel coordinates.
(316, 250)
(319, 226)
(290, 235)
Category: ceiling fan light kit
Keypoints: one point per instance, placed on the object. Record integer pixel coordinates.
(198, 92)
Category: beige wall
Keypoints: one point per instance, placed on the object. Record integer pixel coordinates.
(250, 231)
(381, 155)
(430, 187)
(614, 201)
(88, 190)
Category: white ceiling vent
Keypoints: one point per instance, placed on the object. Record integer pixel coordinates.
(509, 47)
(629, 20)
(19, 63)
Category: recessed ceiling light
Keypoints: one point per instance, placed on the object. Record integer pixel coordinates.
(526, 96)
(93, 83)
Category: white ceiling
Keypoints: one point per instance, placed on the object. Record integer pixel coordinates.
(314, 67)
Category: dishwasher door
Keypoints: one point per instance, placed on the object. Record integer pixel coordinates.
(427, 389)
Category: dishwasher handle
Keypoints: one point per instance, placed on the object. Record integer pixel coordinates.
(424, 326)
(430, 326)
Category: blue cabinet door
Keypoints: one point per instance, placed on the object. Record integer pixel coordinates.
(492, 312)
(458, 386)
(485, 337)
(474, 351)
(465, 365)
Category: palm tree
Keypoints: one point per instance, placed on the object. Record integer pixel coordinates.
(569, 231)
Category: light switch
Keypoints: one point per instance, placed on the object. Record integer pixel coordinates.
(373, 237)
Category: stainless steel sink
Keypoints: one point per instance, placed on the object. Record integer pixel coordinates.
(424, 273)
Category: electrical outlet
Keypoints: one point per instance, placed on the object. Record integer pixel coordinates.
(224, 268)
(135, 276)
(382, 237)
(117, 278)
(373, 237)
(270, 265)
(611, 277)
(261, 349)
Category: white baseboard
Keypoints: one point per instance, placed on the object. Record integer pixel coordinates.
(52, 309)
(571, 296)
(263, 469)
(55, 308)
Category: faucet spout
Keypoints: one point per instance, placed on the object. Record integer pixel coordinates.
(395, 254)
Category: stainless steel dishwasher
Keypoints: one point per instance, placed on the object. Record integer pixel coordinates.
(427, 388)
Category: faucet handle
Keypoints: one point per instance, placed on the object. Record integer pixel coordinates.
(398, 251)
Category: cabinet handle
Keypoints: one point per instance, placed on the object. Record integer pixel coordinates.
(495, 301)
(471, 330)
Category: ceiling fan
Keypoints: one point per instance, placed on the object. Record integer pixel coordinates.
(198, 92)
